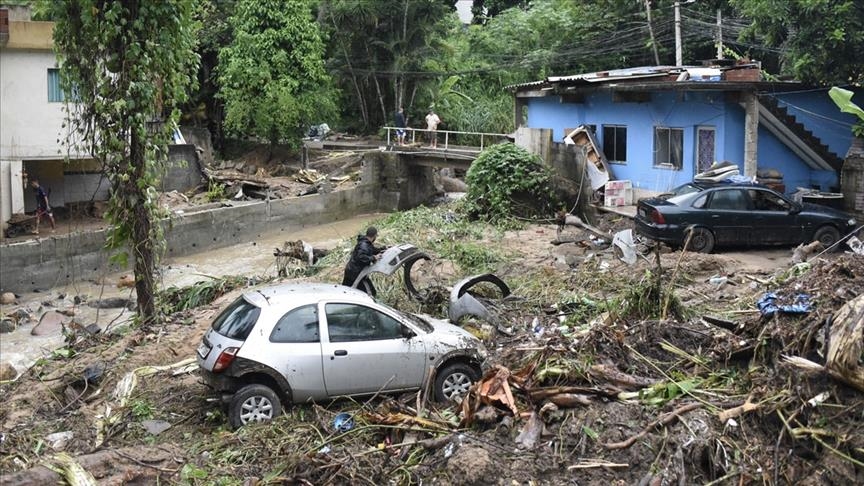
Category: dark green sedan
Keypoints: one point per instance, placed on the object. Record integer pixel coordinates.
(737, 214)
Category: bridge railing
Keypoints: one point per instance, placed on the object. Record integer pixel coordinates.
(447, 139)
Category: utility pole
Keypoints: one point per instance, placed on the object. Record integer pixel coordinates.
(679, 57)
(719, 34)
(651, 33)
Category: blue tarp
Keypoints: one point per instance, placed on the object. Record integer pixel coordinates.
(767, 305)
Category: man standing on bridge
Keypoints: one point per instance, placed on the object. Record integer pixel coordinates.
(400, 126)
(432, 122)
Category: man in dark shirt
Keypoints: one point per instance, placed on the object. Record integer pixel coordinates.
(400, 126)
(42, 206)
(365, 253)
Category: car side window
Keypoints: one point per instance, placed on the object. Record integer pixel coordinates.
(699, 203)
(767, 201)
(728, 199)
(352, 322)
(297, 326)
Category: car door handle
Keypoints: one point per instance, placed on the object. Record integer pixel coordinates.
(340, 352)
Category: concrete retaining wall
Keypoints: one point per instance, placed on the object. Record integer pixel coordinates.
(387, 185)
(61, 260)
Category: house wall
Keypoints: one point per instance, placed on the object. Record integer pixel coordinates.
(29, 125)
(773, 154)
(816, 111)
(670, 109)
(687, 110)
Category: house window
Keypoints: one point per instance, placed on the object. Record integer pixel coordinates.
(55, 91)
(615, 143)
(668, 147)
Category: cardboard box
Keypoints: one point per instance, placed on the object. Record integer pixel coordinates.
(618, 193)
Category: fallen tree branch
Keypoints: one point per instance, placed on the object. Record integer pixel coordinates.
(664, 419)
(733, 412)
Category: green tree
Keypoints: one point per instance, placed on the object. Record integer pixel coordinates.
(272, 75)
(820, 41)
(128, 64)
(380, 51)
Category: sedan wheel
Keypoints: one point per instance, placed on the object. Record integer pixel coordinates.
(827, 235)
(253, 403)
(701, 240)
(453, 382)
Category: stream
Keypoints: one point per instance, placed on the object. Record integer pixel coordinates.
(21, 349)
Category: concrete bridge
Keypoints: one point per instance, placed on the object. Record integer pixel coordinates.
(454, 149)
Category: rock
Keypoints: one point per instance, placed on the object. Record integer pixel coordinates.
(126, 281)
(450, 184)
(472, 465)
(93, 372)
(7, 298)
(67, 312)
(93, 329)
(111, 303)
(50, 323)
(7, 372)
(7, 325)
(58, 440)
(77, 300)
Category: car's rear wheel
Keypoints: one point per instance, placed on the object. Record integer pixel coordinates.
(453, 381)
(701, 240)
(827, 235)
(253, 403)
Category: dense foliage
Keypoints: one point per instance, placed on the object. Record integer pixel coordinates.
(817, 41)
(506, 180)
(128, 65)
(272, 75)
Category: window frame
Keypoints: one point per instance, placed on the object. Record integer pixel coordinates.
(357, 337)
(669, 162)
(613, 158)
(317, 333)
(55, 88)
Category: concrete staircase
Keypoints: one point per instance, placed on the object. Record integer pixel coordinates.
(800, 131)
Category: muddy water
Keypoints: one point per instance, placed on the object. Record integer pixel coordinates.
(21, 349)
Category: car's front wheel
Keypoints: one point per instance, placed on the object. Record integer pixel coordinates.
(701, 240)
(453, 381)
(253, 403)
(827, 235)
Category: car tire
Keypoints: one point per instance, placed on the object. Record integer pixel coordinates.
(454, 380)
(701, 240)
(253, 403)
(827, 235)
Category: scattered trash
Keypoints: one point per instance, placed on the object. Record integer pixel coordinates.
(155, 427)
(856, 245)
(768, 306)
(343, 422)
(623, 241)
(59, 440)
(718, 280)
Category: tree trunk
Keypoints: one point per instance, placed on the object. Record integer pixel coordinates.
(143, 246)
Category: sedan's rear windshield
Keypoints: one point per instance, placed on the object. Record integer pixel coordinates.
(237, 320)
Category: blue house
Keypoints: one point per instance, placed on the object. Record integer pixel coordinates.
(659, 126)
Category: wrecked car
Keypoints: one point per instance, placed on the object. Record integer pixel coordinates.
(294, 343)
(736, 214)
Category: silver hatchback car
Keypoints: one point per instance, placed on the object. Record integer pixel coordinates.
(295, 343)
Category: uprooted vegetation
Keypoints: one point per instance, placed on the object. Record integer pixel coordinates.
(653, 373)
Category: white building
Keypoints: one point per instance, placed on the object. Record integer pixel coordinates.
(31, 122)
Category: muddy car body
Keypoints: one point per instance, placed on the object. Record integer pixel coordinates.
(729, 214)
(295, 343)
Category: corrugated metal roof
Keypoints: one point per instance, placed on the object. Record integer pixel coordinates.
(611, 75)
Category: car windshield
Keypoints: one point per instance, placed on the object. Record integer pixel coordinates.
(417, 321)
(237, 320)
(682, 190)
